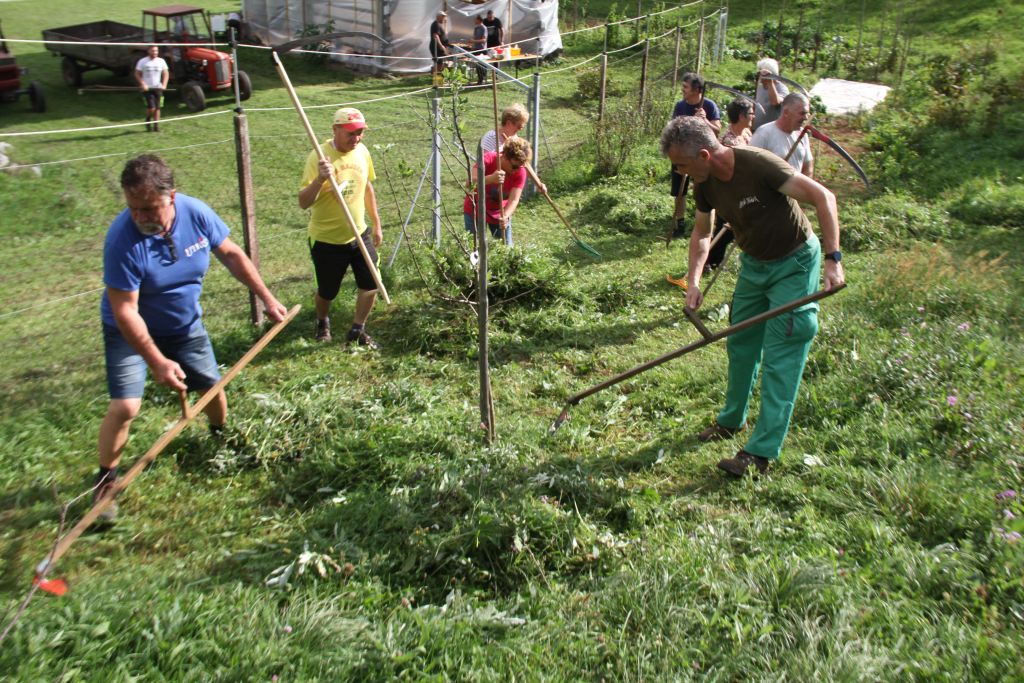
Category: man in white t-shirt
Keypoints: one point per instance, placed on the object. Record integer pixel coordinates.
(152, 74)
(779, 135)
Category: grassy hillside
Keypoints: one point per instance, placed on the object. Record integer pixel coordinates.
(356, 526)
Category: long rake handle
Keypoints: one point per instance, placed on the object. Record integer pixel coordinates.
(190, 414)
(334, 183)
(749, 322)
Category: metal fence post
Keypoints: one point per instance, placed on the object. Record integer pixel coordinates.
(435, 172)
(700, 45)
(535, 126)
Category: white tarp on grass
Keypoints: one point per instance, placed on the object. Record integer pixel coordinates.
(848, 97)
(404, 23)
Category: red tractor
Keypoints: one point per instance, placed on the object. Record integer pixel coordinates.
(10, 80)
(194, 70)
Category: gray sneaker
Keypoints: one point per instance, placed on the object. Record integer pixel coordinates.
(103, 490)
(363, 339)
(323, 330)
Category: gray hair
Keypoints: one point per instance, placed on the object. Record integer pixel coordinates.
(150, 172)
(768, 64)
(690, 135)
(794, 99)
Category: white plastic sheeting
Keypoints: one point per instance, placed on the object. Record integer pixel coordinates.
(405, 24)
(848, 97)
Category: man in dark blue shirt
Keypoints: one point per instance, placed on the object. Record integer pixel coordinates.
(693, 104)
(155, 256)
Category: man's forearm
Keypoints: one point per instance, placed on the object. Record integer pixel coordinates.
(134, 330)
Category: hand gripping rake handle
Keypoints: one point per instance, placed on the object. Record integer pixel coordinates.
(189, 414)
(682, 351)
(334, 183)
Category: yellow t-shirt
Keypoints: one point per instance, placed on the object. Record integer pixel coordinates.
(327, 222)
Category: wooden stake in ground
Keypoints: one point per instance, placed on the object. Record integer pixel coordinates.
(188, 414)
(334, 183)
(482, 307)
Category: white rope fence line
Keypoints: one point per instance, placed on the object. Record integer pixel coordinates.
(626, 21)
(50, 302)
(118, 154)
(113, 125)
(571, 66)
(344, 104)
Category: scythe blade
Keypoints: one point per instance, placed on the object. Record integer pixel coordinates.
(818, 135)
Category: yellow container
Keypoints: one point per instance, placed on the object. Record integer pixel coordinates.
(516, 51)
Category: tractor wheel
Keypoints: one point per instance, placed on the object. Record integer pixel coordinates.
(244, 86)
(193, 96)
(71, 72)
(36, 96)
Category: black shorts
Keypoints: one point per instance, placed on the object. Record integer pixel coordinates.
(153, 97)
(331, 261)
(677, 182)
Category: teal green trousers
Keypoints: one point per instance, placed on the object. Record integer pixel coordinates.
(776, 348)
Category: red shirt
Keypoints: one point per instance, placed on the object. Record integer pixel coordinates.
(516, 178)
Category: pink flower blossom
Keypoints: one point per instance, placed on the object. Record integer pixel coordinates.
(1008, 514)
(287, 628)
(951, 400)
(1006, 495)
(963, 327)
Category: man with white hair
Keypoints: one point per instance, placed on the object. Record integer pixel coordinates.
(780, 135)
(769, 93)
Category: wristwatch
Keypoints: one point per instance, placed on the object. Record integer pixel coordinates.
(836, 256)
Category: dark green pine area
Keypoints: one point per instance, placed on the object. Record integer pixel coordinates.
(355, 524)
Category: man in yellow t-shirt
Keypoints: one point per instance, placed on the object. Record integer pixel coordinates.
(332, 244)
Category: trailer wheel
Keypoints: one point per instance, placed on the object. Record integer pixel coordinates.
(193, 96)
(35, 95)
(71, 72)
(244, 86)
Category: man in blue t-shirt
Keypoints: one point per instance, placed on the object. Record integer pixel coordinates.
(155, 257)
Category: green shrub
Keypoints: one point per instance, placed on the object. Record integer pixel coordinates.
(988, 202)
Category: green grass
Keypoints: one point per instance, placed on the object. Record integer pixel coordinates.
(879, 550)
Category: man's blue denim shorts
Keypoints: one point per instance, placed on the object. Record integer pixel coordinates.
(126, 369)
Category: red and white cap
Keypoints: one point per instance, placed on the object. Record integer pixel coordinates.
(349, 119)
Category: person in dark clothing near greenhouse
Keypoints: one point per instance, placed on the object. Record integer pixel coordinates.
(693, 104)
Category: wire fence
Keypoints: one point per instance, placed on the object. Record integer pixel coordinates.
(275, 148)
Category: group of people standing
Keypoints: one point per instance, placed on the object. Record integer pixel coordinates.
(744, 180)
(157, 252)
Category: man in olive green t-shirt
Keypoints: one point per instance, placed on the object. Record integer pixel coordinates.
(757, 193)
(332, 241)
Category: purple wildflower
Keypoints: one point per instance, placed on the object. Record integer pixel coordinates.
(1008, 514)
(1012, 536)
(963, 327)
(951, 400)
(1006, 495)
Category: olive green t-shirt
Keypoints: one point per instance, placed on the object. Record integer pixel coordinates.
(767, 224)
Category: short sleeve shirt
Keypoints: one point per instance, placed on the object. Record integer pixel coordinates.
(168, 290)
(684, 108)
(767, 224)
(436, 30)
(479, 36)
(777, 141)
(513, 180)
(327, 221)
(152, 71)
(493, 31)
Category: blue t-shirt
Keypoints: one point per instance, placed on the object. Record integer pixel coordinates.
(684, 108)
(168, 290)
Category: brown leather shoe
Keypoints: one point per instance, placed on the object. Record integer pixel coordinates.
(717, 432)
(737, 466)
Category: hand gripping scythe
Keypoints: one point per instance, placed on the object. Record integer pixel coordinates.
(287, 47)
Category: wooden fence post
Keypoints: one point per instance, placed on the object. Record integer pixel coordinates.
(675, 60)
(435, 171)
(243, 160)
(700, 45)
(643, 71)
(482, 306)
(604, 86)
